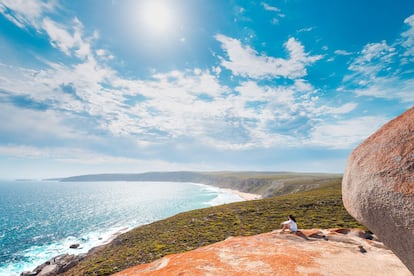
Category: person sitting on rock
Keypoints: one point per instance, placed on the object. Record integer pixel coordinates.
(289, 225)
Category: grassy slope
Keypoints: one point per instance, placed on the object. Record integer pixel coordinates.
(318, 208)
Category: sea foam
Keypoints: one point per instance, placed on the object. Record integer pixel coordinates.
(127, 205)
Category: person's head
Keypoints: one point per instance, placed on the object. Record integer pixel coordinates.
(292, 218)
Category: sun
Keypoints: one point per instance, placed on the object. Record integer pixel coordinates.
(157, 16)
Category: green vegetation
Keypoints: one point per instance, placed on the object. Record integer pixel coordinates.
(270, 184)
(318, 208)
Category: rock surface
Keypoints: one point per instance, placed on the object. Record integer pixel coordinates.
(56, 265)
(74, 246)
(310, 252)
(378, 185)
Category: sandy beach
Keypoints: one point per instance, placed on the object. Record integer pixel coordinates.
(245, 196)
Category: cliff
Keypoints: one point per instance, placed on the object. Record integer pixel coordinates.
(266, 184)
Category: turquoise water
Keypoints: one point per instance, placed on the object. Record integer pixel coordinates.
(41, 219)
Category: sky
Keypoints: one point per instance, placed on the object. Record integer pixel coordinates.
(125, 86)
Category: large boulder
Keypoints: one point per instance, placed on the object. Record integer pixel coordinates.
(378, 185)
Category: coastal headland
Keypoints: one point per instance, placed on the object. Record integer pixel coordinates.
(315, 199)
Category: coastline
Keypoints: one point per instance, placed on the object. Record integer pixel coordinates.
(244, 196)
(73, 256)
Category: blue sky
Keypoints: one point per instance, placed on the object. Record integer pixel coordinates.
(133, 86)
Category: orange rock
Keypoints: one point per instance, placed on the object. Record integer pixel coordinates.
(278, 254)
(378, 185)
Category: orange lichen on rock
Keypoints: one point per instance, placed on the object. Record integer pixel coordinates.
(280, 254)
(378, 185)
(237, 255)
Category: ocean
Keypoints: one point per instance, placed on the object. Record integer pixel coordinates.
(41, 219)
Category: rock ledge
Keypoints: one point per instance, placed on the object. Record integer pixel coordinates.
(309, 252)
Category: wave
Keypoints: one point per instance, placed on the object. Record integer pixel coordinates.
(221, 196)
(28, 259)
(104, 231)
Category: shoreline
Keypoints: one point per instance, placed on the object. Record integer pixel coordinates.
(243, 195)
(78, 256)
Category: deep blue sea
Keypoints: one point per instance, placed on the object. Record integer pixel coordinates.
(41, 219)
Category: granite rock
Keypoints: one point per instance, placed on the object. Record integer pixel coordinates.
(55, 266)
(378, 185)
(281, 254)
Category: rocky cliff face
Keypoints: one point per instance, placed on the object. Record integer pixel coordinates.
(309, 252)
(378, 185)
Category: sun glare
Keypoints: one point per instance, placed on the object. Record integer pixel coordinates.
(156, 16)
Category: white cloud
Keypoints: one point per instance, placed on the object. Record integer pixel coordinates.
(22, 151)
(37, 126)
(176, 105)
(104, 54)
(11, 18)
(408, 37)
(59, 37)
(275, 21)
(175, 102)
(26, 12)
(273, 9)
(86, 80)
(251, 91)
(344, 134)
(381, 70)
(32, 13)
(389, 88)
(246, 62)
(282, 115)
(67, 42)
(343, 53)
(297, 52)
(270, 8)
(303, 30)
(330, 110)
(371, 52)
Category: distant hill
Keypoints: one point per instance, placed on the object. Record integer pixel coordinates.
(264, 183)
